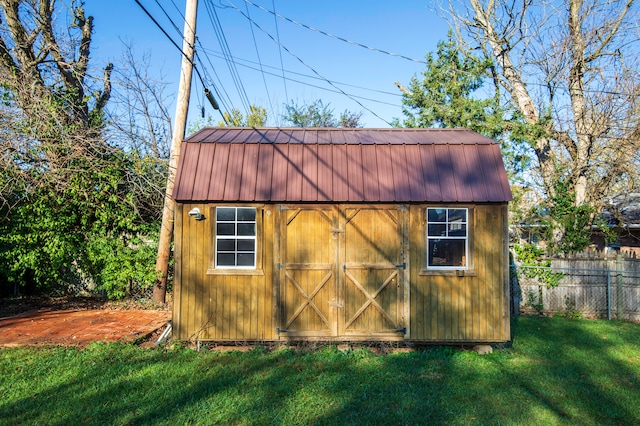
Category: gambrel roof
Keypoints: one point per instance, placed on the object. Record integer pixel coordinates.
(394, 165)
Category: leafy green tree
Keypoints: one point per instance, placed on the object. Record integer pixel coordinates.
(257, 117)
(444, 96)
(451, 93)
(317, 114)
(66, 192)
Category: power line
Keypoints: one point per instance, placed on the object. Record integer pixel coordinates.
(173, 42)
(215, 21)
(255, 44)
(284, 80)
(308, 66)
(169, 18)
(239, 62)
(219, 95)
(355, 43)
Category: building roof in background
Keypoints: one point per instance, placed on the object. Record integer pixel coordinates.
(340, 165)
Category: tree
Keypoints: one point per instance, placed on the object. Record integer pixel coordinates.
(67, 194)
(445, 95)
(317, 114)
(571, 71)
(138, 116)
(257, 117)
(452, 94)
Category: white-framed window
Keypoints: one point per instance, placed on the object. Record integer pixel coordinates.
(447, 238)
(236, 237)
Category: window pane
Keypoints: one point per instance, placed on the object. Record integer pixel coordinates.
(247, 214)
(457, 215)
(246, 259)
(247, 229)
(225, 228)
(226, 214)
(437, 215)
(226, 259)
(437, 230)
(226, 245)
(457, 230)
(447, 252)
(246, 245)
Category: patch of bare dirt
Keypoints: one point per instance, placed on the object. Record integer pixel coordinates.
(16, 305)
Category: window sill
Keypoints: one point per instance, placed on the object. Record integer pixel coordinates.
(449, 272)
(231, 271)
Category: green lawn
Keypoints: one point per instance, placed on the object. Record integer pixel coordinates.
(558, 371)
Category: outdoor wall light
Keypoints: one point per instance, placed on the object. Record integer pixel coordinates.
(196, 214)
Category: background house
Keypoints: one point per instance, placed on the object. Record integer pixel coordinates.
(341, 234)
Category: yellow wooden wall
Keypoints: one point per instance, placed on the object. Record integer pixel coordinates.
(442, 307)
(219, 307)
(471, 306)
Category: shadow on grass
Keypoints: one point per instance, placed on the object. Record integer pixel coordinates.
(557, 371)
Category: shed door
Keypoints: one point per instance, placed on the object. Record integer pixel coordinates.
(341, 272)
(308, 268)
(373, 270)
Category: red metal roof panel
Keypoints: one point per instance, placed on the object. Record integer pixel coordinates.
(203, 177)
(370, 173)
(249, 178)
(384, 171)
(187, 174)
(340, 165)
(430, 178)
(294, 172)
(325, 172)
(355, 180)
(340, 175)
(234, 172)
(310, 181)
(399, 164)
(280, 166)
(264, 177)
(218, 172)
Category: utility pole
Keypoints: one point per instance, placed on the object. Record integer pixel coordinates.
(182, 108)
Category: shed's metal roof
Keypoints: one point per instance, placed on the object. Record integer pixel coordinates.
(340, 165)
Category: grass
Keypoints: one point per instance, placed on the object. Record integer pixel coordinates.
(557, 371)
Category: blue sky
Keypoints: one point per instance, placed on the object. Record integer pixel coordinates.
(406, 27)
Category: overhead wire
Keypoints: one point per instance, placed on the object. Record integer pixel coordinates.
(255, 44)
(207, 77)
(169, 18)
(309, 66)
(231, 60)
(355, 43)
(217, 26)
(223, 96)
(284, 80)
(155, 21)
(239, 62)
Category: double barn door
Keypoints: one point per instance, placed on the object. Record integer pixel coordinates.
(342, 272)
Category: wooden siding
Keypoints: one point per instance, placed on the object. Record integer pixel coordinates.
(361, 266)
(471, 305)
(224, 306)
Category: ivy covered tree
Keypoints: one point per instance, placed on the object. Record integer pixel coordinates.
(67, 196)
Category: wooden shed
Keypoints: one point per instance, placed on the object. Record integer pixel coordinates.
(341, 235)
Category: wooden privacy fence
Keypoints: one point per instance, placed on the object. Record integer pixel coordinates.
(600, 288)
